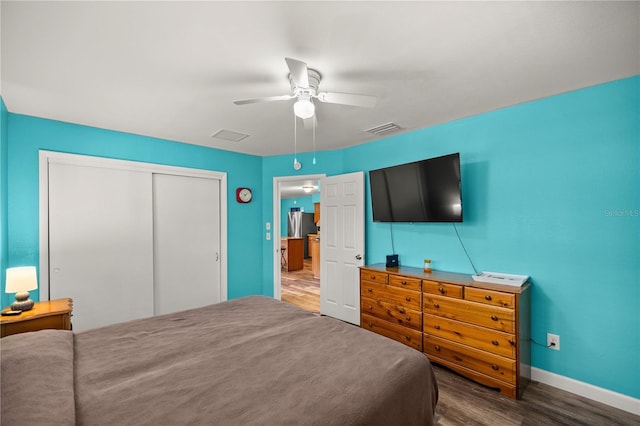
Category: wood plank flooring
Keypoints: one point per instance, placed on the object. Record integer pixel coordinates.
(300, 288)
(463, 402)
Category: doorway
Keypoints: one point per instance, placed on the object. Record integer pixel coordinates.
(295, 282)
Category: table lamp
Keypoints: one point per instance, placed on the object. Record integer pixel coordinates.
(19, 281)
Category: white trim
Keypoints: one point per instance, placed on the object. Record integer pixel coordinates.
(605, 396)
(50, 157)
(275, 227)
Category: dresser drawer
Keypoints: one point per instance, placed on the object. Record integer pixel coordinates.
(408, 336)
(378, 277)
(502, 319)
(493, 341)
(392, 313)
(492, 365)
(405, 282)
(444, 289)
(490, 297)
(404, 298)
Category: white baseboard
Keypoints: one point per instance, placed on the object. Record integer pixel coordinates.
(605, 396)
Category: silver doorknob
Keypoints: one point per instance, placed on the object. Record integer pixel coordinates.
(358, 257)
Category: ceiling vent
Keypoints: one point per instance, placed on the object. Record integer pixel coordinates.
(384, 129)
(229, 135)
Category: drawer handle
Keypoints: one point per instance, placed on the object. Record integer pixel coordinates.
(373, 277)
(495, 367)
(493, 317)
(442, 290)
(408, 338)
(408, 299)
(487, 297)
(370, 290)
(457, 358)
(370, 325)
(408, 319)
(403, 283)
(494, 342)
(402, 311)
(370, 308)
(437, 327)
(437, 348)
(435, 305)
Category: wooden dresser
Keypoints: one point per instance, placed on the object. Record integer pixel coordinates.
(391, 305)
(50, 314)
(479, 330)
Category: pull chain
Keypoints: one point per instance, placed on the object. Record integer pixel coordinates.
(314, 140)
(295, 140)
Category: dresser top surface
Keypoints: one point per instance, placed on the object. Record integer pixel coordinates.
(445, 277)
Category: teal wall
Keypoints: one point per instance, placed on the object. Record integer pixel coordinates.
(27, 135)
(4, 146)
(550, 189)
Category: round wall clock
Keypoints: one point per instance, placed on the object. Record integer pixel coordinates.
(243, 195)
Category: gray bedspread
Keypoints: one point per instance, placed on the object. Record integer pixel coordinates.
(247, 361)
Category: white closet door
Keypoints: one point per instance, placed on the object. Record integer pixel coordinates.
(100, 243)
(186, 219)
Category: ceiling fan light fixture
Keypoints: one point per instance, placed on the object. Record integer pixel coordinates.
(304, 108)
(307, 188)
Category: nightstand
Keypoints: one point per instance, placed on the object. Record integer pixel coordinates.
(51, 314)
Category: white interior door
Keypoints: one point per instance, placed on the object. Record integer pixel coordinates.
(100, 243)
(341, 245)
(186, 222)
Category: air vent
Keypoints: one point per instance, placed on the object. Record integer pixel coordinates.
(229, 135)
(384, 129)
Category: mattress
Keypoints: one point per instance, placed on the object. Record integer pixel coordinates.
(248, 361)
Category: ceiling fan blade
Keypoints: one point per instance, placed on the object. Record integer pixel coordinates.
(258, 100)
(299, 73)
(348, 99)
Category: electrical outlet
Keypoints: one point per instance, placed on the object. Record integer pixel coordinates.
(268, 236)
(553, 341)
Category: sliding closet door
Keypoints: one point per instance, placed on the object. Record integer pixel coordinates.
(186, 246)
(101, 243)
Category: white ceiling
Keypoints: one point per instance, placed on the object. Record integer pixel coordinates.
(172, 69)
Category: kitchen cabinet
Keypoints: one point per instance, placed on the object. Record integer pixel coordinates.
(316, 213)
(314, 251)
(293, 253)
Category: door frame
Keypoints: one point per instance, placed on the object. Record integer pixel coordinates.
(47, 157)
(276, 228)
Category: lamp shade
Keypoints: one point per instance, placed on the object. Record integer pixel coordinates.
(21, 279)
(304, 108)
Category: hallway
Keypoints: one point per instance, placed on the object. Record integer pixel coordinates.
(300, 288)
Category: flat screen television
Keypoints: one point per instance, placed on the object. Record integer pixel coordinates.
(423, 191)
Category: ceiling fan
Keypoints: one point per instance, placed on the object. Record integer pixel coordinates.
(304, 87)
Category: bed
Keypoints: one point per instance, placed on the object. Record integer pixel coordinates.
(253, 360)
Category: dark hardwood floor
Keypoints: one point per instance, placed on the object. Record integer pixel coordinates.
(463, 402)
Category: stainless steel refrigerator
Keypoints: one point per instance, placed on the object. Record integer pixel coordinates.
(299, 225)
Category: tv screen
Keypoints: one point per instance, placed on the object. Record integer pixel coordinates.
(422, 191)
